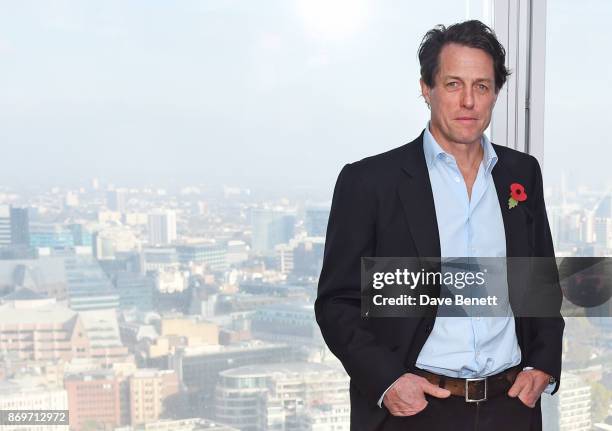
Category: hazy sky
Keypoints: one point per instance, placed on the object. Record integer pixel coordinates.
(266, 93)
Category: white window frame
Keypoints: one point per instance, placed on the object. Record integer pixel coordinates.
(518, 118)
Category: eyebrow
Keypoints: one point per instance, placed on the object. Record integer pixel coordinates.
(461, 79)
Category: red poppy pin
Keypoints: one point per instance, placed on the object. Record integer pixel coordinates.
(517, 194)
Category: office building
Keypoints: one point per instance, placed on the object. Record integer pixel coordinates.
(271, 227)
(5, 225)
(20, 227)
(212, 255)
(94, 400)
(570, 408)
(274, 396)
(149, 388)
(116, 200)
(315, 220)
(88, 286)
(162, 227)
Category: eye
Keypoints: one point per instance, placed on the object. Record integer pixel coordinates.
(482, 87)
(452, 84)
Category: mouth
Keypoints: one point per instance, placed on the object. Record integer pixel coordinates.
(466, 121)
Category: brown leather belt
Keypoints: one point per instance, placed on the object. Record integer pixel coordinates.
(476, 389)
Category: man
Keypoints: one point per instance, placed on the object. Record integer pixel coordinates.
(444, 194)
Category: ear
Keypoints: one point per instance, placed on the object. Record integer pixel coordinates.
(425, 91)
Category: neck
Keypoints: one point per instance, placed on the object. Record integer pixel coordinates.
(466, 155)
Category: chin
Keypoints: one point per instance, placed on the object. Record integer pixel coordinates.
(466, 138)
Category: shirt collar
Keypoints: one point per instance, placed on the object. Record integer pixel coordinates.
(433, 151)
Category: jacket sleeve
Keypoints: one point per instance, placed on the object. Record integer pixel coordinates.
(546, 339)
(351, 234)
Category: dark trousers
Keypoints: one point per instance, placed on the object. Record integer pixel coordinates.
(500, 413)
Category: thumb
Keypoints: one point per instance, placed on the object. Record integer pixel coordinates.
(434, 390)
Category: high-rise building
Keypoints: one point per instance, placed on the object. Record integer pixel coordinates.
(162, 227)
(315, 220)
(135, 290)
(5, 225)
(81, 235)
(116, 200)
(284, 257)
(271, 227)
(20, 226)
(570, 409)
(88, 286)
(308, 257)
(603, 222)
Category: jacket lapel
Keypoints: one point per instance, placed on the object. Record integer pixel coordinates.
(515, 219)
(414, 190)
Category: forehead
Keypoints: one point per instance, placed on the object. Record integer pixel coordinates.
(465, 62)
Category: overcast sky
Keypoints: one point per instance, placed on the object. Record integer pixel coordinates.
(266, 93)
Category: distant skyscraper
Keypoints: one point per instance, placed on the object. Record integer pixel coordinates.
(308, 257)
(116, 200)
(271, 227)
(20, 226)
(603, 222)
(5, 225)
(570, 409)
(315, 220)
(162, 227)
(89, 288)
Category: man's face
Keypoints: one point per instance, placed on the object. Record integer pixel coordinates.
(463, 96)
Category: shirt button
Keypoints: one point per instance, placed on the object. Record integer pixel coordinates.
(457, 179)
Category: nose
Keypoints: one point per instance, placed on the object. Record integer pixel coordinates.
(467, 98)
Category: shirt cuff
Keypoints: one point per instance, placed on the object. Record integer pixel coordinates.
(549, 388)
(380, 400)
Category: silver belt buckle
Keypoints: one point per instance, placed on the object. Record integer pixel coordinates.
(467, 392)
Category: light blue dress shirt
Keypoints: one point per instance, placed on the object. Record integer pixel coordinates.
(469, 227)
(467, 347)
